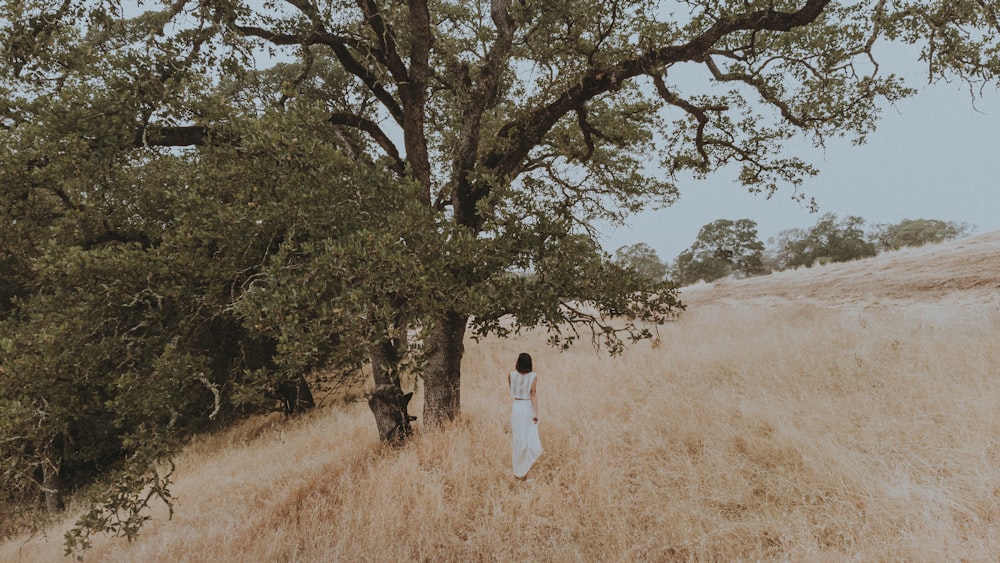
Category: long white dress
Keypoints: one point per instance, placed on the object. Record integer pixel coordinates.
(527, 445)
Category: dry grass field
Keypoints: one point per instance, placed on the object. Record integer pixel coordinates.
(841, 413)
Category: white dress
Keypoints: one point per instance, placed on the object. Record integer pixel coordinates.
(527, 445)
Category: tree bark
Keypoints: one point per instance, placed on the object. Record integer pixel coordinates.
(51, 484)
(442, 378)
(295, 395)
(388, 402)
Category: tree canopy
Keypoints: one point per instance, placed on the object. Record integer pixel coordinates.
(723, 247)
(838, 240)
(165, 184)
(831, 239)
(918, 232)
(642, 258)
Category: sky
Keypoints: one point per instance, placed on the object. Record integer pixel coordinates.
(933, 156)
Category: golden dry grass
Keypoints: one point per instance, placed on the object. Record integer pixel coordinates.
(850, 412)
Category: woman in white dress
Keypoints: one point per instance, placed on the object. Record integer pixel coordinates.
(524, 416)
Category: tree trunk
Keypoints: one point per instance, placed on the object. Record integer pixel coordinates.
(295, 395)
(51, 484)
(388, 402)
(442, 378)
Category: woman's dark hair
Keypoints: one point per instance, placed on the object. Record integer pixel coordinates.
(523, 363)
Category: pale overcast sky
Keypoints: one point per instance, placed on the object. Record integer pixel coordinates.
(933, 157)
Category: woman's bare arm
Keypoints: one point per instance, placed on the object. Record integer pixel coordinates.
(534, 398)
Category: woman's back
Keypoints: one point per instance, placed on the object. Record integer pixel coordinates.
(520, 384)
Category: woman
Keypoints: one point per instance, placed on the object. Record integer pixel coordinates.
(524, 416)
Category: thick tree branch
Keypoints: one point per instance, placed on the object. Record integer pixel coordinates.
(588, 133)
(199, 135)
(420, 29)
(483, 95)
(413, 93)
(342, 48)
(351, 65)
(388, 50)
(309, 10)
(113, 235)
(518, 137)
(275, 38)
(181, 136)
(375, 132)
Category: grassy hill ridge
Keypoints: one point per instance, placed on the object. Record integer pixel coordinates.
(848, 412)
(967, 268)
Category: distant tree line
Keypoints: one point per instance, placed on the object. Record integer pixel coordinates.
(727, 247)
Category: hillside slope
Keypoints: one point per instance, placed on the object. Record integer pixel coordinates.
(967, 269)
(843, 413)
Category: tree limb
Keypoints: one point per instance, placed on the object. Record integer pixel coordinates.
(341, 47)
(375, 132)
(386, 39)
(307, 64)
(483, 95)
(699, 113)
(180, 136)
(588, 132)
(22, 44)
(413, 93)
(762, 88)
(518, 137)
(351, 65)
